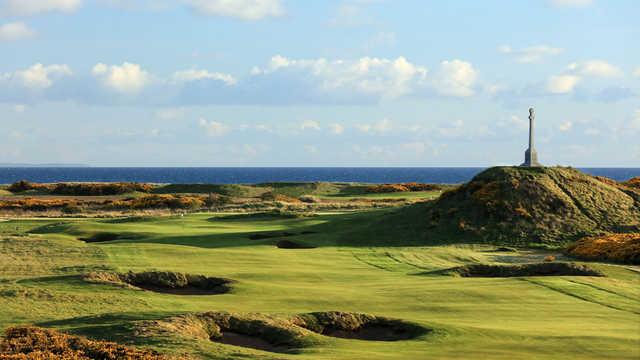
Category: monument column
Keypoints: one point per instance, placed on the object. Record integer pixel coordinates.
(530, 155)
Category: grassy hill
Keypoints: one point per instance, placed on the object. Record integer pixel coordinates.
(515, 205)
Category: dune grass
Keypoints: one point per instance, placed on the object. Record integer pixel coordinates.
(357, 266)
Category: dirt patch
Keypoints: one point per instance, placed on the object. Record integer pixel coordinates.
(359, 326)
(164, 282)
(38, 343)
(289, 244)
(520, 270)
(503, 249)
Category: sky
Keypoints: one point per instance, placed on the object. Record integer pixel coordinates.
(319, 82)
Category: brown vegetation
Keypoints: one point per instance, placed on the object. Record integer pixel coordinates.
(81, 189)
(622, 248)
(405, 187)
(32, 343)
(633, 182)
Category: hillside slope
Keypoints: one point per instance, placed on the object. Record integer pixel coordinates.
(532, 205)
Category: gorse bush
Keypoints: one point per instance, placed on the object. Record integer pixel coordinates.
(99, 189)
(405, 187)
(622, 248)
(24, 185)
(157, 202)
(82, 189)
(32, 343)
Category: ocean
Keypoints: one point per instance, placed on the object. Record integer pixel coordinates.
(254, 175)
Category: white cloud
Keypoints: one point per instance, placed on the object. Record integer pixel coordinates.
(38, 76)
(311, 149)
(242, 9)
(636, 72)
(213, 128)
(310, 124)
(562, 84)
(597, 68)
(32, 7)
(19, 108)
(194, 75)
(565, 126)
(635, 121)
(170, 113)
(454, 129)
(381, 127)
(417, 148)
(126, 78)
(571, 3)
(592, 131)
(336, 128)
(456, 78)
(532, 54)
(387, 78)
(15, 31)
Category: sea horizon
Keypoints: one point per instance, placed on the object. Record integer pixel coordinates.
(265, 174)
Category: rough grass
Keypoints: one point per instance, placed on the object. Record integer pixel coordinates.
(32, 343)
(621, 248)
(531, 205)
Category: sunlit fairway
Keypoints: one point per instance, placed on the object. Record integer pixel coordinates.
(357, 266)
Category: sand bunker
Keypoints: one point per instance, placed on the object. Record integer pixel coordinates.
(164, 282)
(520, 270)
(108, 236)
(282, 335)
(359, 326)
(277, 234)
(289, 244)
(255, 331)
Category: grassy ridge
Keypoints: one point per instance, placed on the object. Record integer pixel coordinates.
(541, 205)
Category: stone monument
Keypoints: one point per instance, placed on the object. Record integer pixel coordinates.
(530, 155)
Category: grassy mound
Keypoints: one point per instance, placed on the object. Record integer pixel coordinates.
(276, 334)
(621, 248)
(164, 282)
(535, 269)
(518, 205)
(246, 330)
(23, 343)
(359, 326)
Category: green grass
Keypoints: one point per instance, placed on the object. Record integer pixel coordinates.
(362, 264)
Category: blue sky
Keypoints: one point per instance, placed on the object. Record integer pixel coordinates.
(318, 83)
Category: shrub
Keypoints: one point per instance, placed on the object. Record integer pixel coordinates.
(99, 189)
(24, 185)
(39, 344)
(310, 199)
(623, 248)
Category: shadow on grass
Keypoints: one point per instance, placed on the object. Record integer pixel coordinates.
(117, 327)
